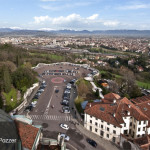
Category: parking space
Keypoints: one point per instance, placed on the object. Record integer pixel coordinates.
(52, 104)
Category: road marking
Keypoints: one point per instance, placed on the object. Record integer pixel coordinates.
(47, 108)
(50, 117)
(72, 146)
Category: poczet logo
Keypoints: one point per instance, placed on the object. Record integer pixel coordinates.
(8, 140)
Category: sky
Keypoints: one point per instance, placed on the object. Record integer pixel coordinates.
(75, 14)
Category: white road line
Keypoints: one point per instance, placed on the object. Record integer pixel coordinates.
(50, 117)
(47, 108)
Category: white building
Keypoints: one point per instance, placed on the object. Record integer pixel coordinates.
(116, 116)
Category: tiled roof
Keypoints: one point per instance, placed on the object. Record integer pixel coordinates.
(141, 99)
(27, 134)
(122, 108)
(111, 96)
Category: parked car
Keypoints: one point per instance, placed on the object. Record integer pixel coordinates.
(65, 104)
(29, 108)
(65, 107)
(92, 142)
(56, 91)
(41, 90)
(66, 111)
(67, 138)
(64, 126)
(34, 103)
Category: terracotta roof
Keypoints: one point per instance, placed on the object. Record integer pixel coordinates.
(141, 99)
(111, 96)
(27, 134)
(122, 108)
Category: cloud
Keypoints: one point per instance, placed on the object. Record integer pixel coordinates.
(74, 21)
(134, 7)
(41, 19)
(16, 28)
(93, 17)
(111, 23)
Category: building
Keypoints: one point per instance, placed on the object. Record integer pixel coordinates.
(115, 116)
(29, 135)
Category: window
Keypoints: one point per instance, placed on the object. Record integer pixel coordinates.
(90, 128)
(108, 123)
(114, 126)
(138, 135)
(124, 124)
(144, 122)
(95, 130)
(130, 123)
(114, 132)
(139, 129)
(107, 135)
(101, 120)
(102, 133)
(130, 131)
(107, 129)
(125, 131)
(90, 116)
(133, 135)
(90, 121)
(114, 139)
(139, 122)
(102, 126)
(96, 123)
(96, 118)
(143, 128)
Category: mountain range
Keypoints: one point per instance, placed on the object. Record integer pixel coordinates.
(127, 33)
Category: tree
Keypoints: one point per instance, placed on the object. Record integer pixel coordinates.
(1, 102)
(23, 78)
(97, 93)
(6, 79)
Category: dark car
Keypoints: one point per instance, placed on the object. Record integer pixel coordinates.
(65, 103)
(30, 108)
(92, 142)
(56, 91)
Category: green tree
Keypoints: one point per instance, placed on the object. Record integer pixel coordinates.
(6, 79)
(1, 102)
(97, 93)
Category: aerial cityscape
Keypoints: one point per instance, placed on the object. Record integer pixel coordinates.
(74, 75)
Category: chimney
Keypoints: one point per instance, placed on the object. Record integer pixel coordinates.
(114, 101)
(129, 105)
(114, 114)
(90, 104)
(128, 113)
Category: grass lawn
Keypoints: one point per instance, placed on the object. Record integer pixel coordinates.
(52, 56)
(145, 85)
(8, 96)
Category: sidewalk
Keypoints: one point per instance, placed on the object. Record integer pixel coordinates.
(104, 143)
(29, 98)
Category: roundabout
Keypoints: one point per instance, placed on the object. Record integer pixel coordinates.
(57, 80)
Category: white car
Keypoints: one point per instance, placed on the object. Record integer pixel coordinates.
(64, 126)
(34, 103)
(67, 138)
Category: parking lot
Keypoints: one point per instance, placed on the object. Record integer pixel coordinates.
(53, 102)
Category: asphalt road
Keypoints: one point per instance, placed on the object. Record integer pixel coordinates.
(50, 118)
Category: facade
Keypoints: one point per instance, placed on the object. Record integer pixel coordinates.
(115, 116)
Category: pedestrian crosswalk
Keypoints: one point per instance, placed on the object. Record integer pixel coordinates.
(50, 117)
